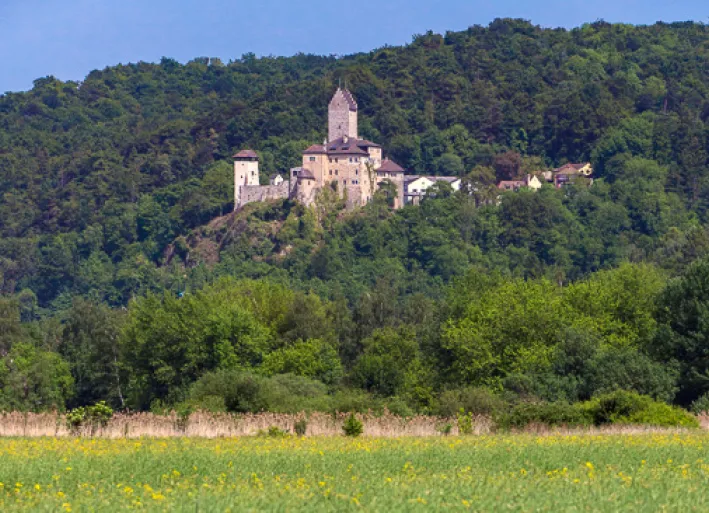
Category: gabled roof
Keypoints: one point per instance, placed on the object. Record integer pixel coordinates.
(315, 149)
(390, 166)
(570, 168)
(346, 146)
(449, 179)
(246, 154)
(351, 103)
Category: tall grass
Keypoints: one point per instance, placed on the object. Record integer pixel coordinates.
(214, 425)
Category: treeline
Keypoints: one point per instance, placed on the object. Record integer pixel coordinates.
(252, 345)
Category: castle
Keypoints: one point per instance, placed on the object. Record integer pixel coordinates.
(351, 166)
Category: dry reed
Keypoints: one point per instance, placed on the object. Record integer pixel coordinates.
(215, 425)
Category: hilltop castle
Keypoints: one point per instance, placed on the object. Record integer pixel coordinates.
(355, 169)
(351, 166)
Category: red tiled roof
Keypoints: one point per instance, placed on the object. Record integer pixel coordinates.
(246, 154)
(390, 166)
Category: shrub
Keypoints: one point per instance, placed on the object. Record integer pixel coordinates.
(445, 429)
(609, 408)
(550, 414)
(465, 422)
(624, 407)
(478, 401)
(353, 426)
(701, 405)
(300, 427)
(93, 417)
(243, 392)
(664, 415)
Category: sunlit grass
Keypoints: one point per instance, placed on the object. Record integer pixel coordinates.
(519, 473)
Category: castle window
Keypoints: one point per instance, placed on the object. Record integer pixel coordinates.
(331, 172)
(356, 171)
(336, 160)
(312, 159)
(336, 172)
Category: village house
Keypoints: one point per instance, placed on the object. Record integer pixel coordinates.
(570, 173)
(530, 182)
(416, 186)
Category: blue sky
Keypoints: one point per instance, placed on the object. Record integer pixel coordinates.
(69, 38)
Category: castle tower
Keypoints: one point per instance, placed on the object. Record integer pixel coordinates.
(245, 173)
(342, 116)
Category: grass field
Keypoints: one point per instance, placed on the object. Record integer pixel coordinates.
(651, 472)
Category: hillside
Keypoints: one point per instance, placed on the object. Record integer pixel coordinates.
(125, 276)
(105, 174)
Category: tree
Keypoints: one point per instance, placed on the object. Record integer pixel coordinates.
(683, 332)
(34, 380)
(90, 345)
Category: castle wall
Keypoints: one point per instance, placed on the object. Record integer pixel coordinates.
(253, 193)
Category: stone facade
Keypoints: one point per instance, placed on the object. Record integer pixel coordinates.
(342, 116)
(352, 166)
(246, 173)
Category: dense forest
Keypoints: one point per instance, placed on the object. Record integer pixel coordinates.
(124, 276)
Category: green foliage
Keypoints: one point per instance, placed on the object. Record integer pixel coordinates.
(352, 427)
(465, 422)
(35, 380)
(547, 414)
(701, 405)
(300, 427)
(624, 407)
(312, 359)
(478, 401)
(91, 417)
(117, 194)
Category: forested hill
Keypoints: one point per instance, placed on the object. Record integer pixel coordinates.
(100, 178)
(125, 277)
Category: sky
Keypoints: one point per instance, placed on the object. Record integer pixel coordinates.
(70, 38)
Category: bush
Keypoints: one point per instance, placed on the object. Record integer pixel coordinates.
(93, 417)
(353, 426)
(701, 405)
(478, 401)
(622, 407)
(664, 415)
(609, 408)
(300, 427)
(243, 392)
(550, 414)
(465, 422)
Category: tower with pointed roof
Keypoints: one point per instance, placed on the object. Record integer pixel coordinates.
(342, 116)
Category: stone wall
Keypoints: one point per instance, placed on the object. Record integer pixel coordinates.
(252, 193)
